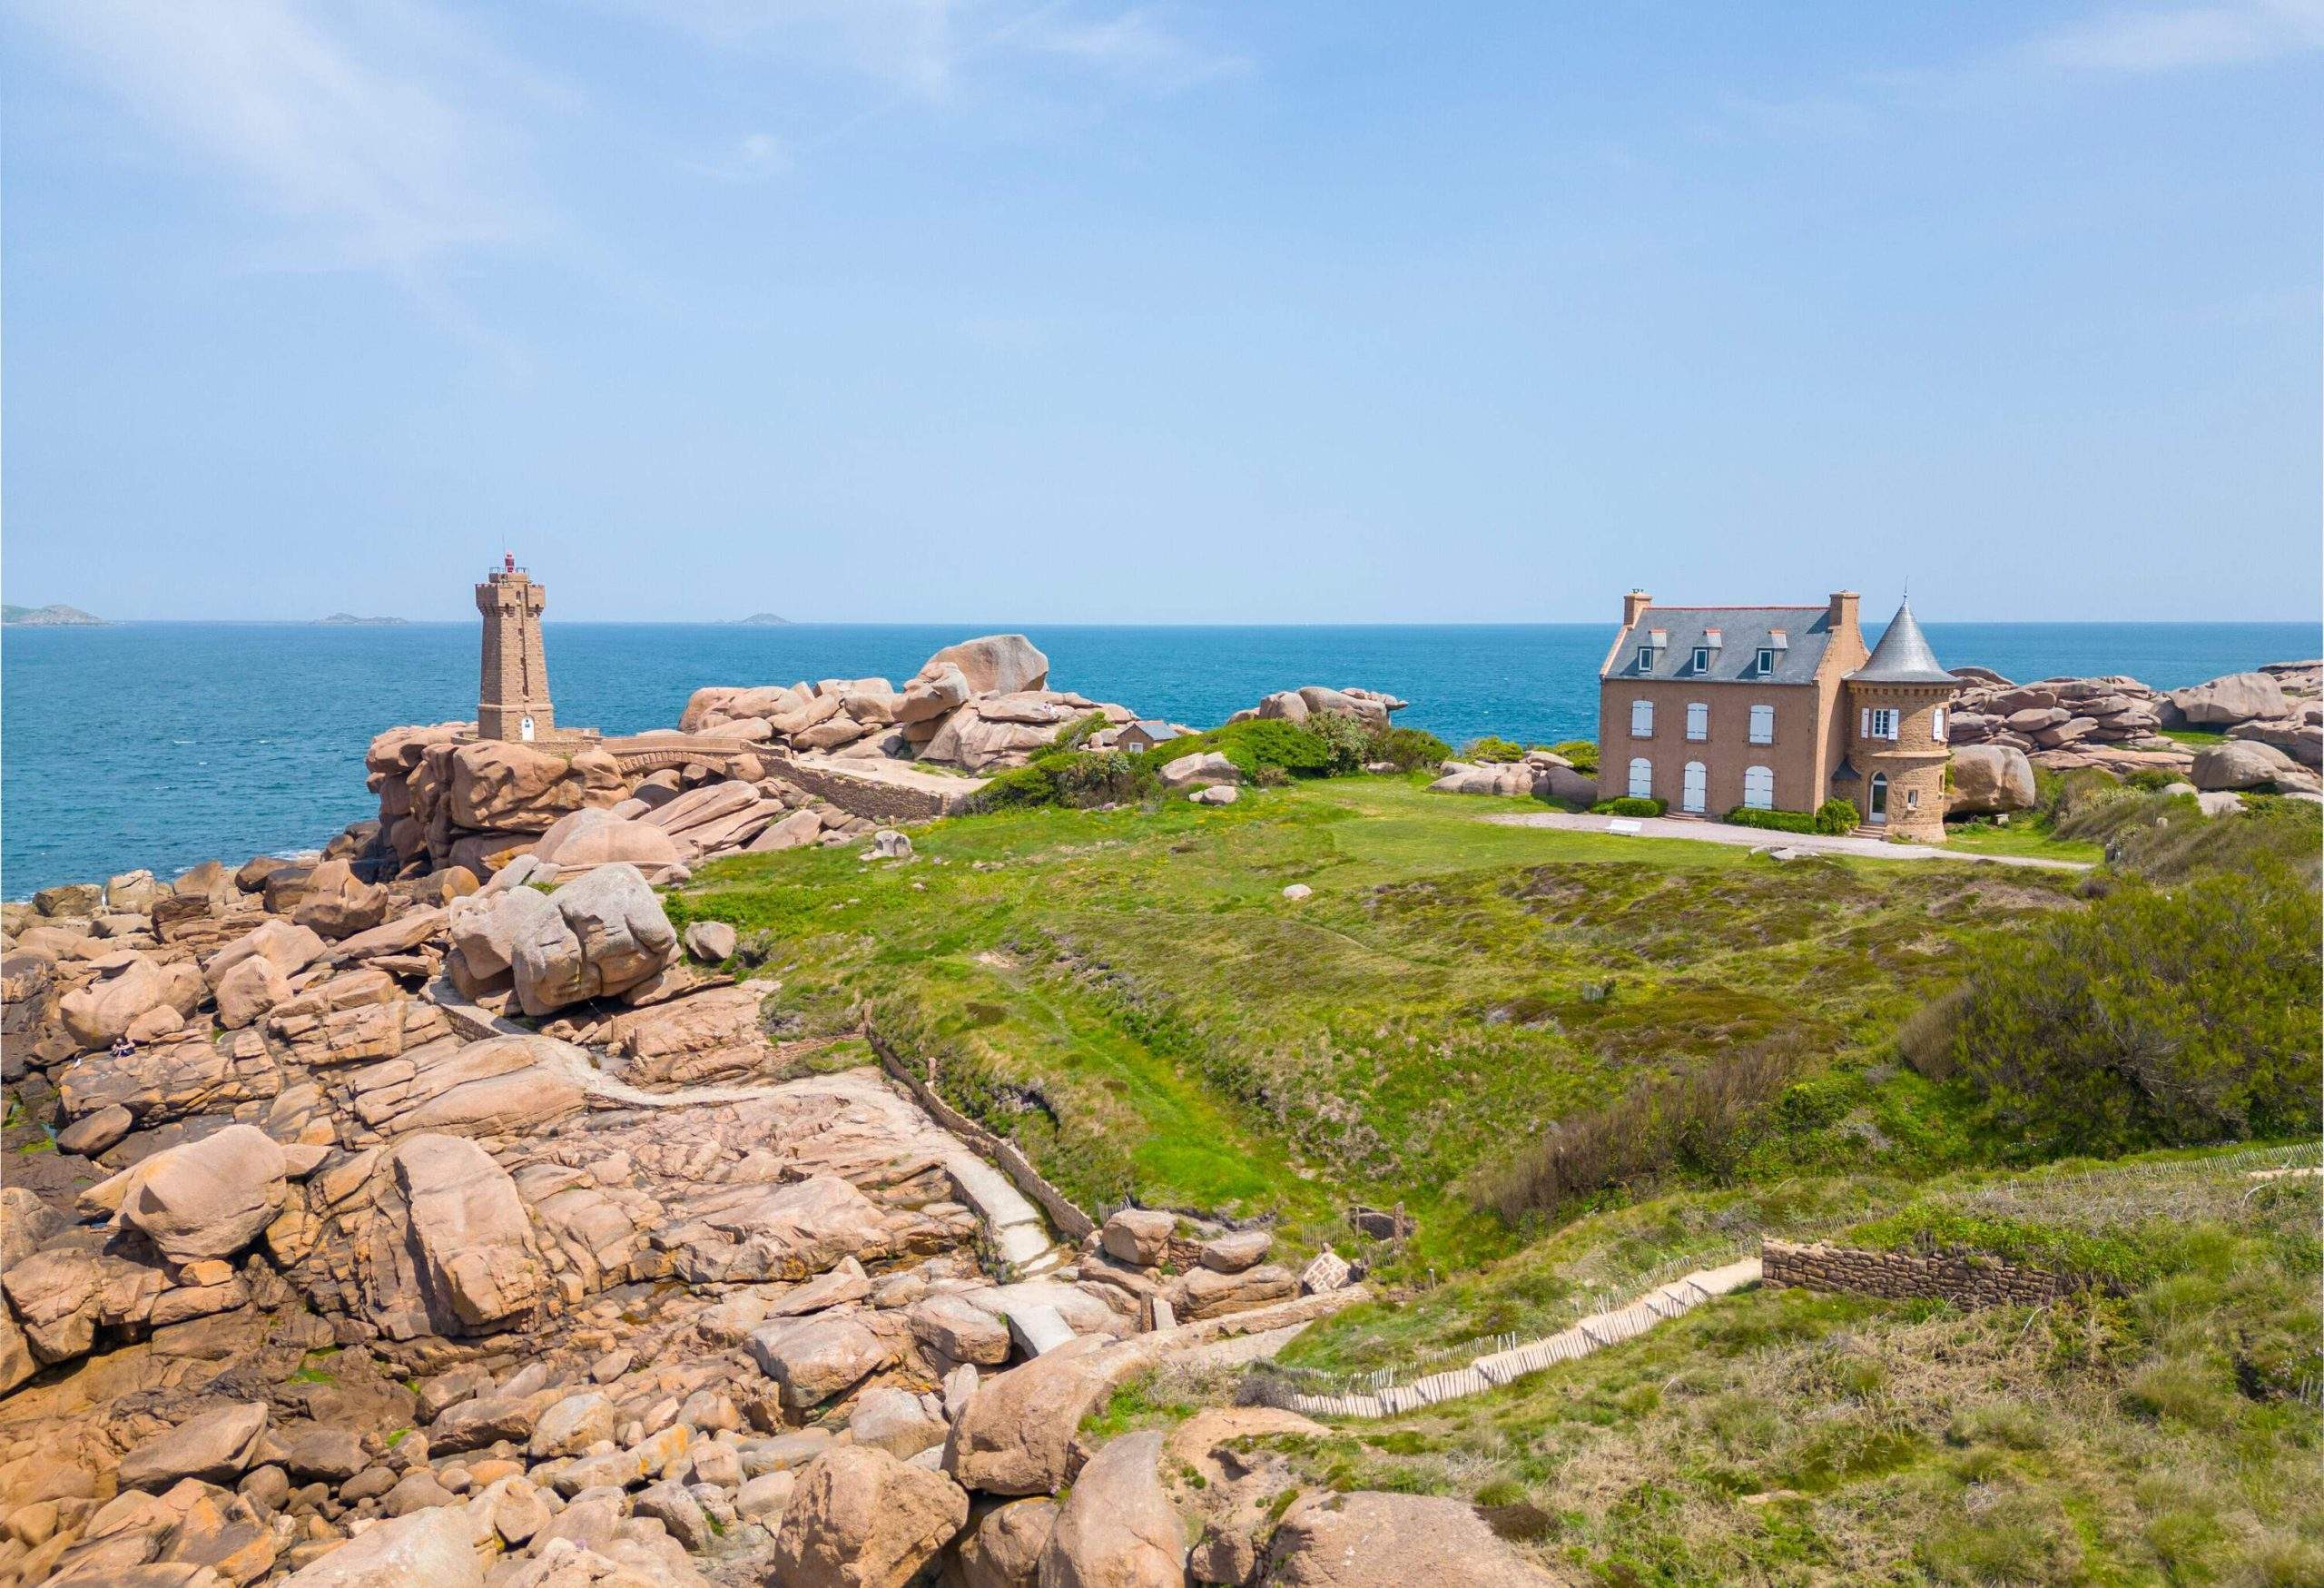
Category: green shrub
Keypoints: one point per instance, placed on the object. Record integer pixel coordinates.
(1630, 806)
(2151, 779)
(1408, 749)
(1582, 752)
(1252, 746)
(1067, 777)
(1836, 816)
(2153, 1017)
(1493, 747)
(1346, 740)
(1774, 821)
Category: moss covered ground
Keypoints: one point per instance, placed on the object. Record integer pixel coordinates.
(1129, 994)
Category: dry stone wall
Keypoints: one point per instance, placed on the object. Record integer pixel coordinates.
(1965, 1279)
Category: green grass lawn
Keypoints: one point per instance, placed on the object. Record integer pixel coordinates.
(2024, 836)
(1128, 995)
(2195, 738)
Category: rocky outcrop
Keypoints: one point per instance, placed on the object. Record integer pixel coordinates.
(602, 935)
(2117, 722)
(1119, 1528)
(860, 1518)
(980, 705)
(371, 1285)
(1542, 774)
(1296, 705)
(469, 1230)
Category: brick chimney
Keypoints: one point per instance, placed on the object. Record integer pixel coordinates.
(1634, 606)
(1843, 621)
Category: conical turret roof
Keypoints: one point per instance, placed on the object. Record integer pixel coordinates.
(1903, 656)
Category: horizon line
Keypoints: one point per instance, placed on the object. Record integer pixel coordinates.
(1020, 623)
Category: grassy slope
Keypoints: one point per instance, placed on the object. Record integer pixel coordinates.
(2170, 1434)
(1129, 994)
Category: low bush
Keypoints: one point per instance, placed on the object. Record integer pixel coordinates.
(1836, 816)
(2152, 1018)
(1774, 821)
(1630, 806)
(1252, 746)
(1408, 749)
(1695, 1120)
(1493, 747)
(1069, 777)
(1582, 752)
(1347, 741)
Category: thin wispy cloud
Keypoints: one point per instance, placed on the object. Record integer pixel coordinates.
(754, 157)
(2182, 38)
(1137, 47)
(2141, 43)
(359, 141)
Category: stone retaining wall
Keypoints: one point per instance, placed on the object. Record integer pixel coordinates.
(1068, 1221)
(1967, 1280)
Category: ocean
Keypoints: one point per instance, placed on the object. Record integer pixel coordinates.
(162, 745)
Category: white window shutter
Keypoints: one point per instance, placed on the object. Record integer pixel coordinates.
(1865, 732)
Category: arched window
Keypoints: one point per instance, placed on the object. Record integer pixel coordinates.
(525, 729)
(1936, 726)
(1879, 812)
(1641, 778)
(1759, 787)
(1697, 720)
(1763, 724)
(1641, 719)
(1696, 788)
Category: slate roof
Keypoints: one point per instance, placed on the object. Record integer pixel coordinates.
(1742, 631)
(1155, 728)
(1903, 656)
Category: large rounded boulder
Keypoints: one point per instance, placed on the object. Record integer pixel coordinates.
(1991, 780)
(860, 1518)
(209, 1197)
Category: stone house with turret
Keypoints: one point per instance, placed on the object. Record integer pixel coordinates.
(1709, 708)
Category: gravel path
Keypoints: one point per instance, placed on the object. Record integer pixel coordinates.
(1760, 838)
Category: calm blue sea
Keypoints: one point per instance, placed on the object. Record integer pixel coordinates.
(162, 745)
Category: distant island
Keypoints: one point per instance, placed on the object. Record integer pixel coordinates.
(347, 618)
(55, 615)
(763, 619)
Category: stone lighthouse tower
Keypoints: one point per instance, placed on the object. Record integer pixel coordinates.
(512, 700)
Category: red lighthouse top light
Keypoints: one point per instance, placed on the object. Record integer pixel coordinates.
(508, 562)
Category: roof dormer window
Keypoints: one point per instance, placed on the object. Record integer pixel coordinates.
(1767, 661)
(1646, 659)
(1702, 659)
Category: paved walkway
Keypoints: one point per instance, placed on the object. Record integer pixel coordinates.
(1760, 838)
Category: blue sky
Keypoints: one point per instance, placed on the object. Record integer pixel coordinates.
(872, 310)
